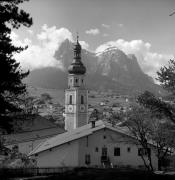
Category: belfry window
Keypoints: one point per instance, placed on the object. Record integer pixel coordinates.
(70, 99)
(82, 99)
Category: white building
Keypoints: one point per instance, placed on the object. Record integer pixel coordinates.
(95, 144)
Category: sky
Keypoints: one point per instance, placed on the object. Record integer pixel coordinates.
(142, 27)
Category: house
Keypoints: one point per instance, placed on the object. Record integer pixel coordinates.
(99, 145)
(28, 140)
(30, 137)
(87, 144)
(31, 133)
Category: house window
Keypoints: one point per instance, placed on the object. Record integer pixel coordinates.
(104, 137)
(116, 151)
(129, 149)
(104, 151)
(82, 99)
(143, 152)
(87, 159)
(87, 141)
(96, 149)
(70, 99)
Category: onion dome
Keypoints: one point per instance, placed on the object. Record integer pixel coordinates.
(77, 66)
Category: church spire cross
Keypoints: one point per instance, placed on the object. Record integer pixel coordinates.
(77, 49)
(77, 37)
(77, 66)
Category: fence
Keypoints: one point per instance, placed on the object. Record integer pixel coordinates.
(28, 172)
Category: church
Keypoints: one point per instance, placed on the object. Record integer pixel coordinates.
(92, 144)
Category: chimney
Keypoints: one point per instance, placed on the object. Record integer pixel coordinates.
(93, 123)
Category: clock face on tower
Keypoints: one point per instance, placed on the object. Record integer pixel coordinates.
(70, 108)
(82, 108)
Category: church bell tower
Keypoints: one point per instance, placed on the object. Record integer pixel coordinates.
(76, 96)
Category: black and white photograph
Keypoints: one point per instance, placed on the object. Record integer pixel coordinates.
(87, 89)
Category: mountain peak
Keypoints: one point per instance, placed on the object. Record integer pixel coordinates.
(132, 56)
(111, 69)
(109, 50)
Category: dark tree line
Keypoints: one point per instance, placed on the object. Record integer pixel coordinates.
(11, 74)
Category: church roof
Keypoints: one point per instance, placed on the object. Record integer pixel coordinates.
(77, 66)
(75, 134)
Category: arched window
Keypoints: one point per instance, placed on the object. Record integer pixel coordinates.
(82, 99)
(70, 99)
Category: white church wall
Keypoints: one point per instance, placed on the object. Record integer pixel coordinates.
(61, 156)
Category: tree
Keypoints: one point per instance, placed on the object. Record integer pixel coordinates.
(46, 97)
(166, 76)
(162, 135)
(151, 130)
(157, 106)
(140, 128)
(11, 75)
(115, 117)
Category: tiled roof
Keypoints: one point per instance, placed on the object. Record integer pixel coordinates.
(31, 135)
(73, 135)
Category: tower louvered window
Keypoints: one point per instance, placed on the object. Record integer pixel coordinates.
(70, 99)
(82, 99)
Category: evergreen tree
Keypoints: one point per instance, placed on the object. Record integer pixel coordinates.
(166, 76)
(11, 75)
(157, 106)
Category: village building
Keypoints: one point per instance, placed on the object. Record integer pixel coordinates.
(30, 138)
(87, 143)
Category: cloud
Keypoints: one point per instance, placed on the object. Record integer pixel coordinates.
(17, 42)
(149, 61)
(93, 31)
(106, 26)
(120, 25)
(30, 31)
(105, 35)
(41, 54)
(84, 45)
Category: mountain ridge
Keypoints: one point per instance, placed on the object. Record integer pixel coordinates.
(109, 70)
